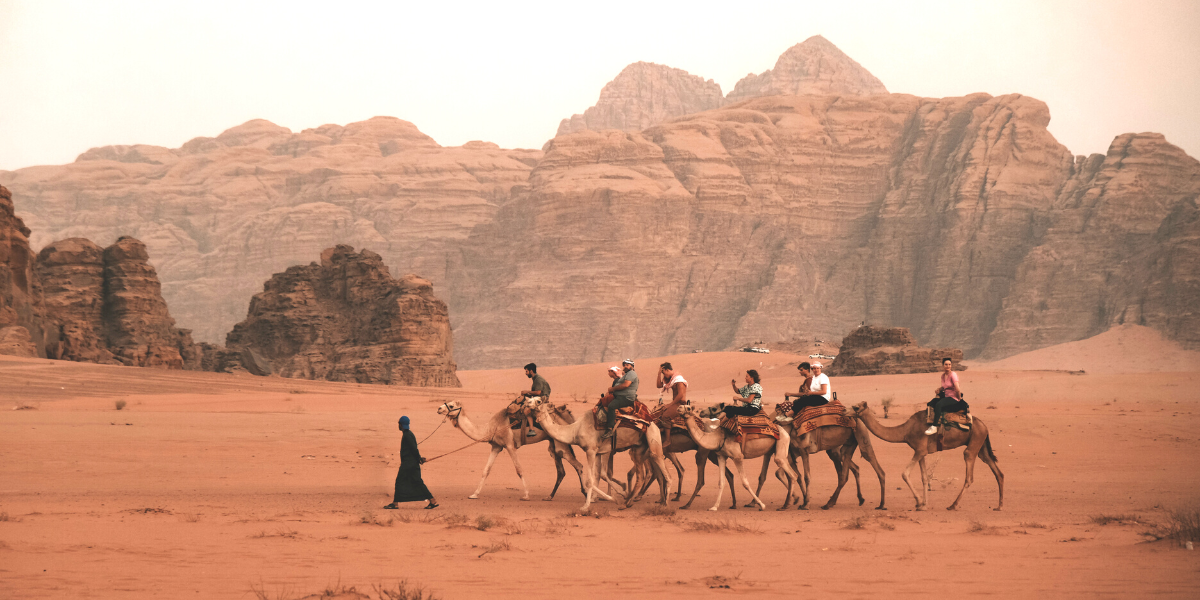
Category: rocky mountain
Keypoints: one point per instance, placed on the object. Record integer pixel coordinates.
(872, 350)
(814, 202)
(646, 94)
(643, 95)
(220, 215)
(347, 319)
(106, 306)
(814, 66)
(21, 310)
(795, 216)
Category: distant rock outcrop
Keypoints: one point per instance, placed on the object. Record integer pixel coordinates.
(888, 351)
(106, 306)
(814, 66)
(644, 95)
(20, 299)
(347, 319)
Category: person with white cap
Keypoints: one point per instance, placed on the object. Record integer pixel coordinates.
(810, 391)
(624, 392)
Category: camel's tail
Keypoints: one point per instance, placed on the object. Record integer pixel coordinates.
(987, 443)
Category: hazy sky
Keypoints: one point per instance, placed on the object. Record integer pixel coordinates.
(81, 74)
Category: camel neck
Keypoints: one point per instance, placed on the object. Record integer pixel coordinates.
(468, 427)
(881, 431)
(560, 433)
(709, 440)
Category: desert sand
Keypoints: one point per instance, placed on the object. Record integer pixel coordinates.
(213, 486)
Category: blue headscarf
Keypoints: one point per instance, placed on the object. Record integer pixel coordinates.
(404, 422)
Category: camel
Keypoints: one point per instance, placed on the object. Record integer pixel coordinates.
(678, 443)
(727, 448)
(912, 432)
(583, 432)
(501, 437)
(839, 443)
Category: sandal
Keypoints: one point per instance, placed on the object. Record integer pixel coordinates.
(432, 506)
(392, 506)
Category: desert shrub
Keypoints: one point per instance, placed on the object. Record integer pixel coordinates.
(1118, 519)
(120, 404)
(456, 520)
(887, 402)
(726, 526)
(403, 590)
(496, 546)
(659, 510)
(1182, 526)
(859, 522)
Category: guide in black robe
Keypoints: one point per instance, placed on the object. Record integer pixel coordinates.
(409, 486)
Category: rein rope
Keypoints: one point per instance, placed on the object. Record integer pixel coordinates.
(434, 430)
(428, 460)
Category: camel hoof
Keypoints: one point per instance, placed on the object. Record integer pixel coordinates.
(951, 507)
(880, 508)
(473, 497)
(997, 509)
(862, 501)
(751, 504)
(920, 508)
(525, 499)
(547, 498)
(827, 507)
(675, 498)
(762, 508)
(713, 509)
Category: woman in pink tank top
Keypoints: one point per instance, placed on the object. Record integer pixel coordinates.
(949, 396)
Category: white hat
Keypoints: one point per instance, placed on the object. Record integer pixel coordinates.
(817, 364)
(614, 369)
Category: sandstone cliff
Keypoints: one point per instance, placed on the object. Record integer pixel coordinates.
(814, 66)
(888, 351)
(347, 319)
(220, 215)
(643, 95)
(799, 216)
(106, 306)
(20, 298)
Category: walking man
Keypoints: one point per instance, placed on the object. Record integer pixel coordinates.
(624, 392)
(409, 486)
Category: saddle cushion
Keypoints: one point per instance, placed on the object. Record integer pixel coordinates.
(813, 417)
(957, 419)
(752, 427)
(634, 417)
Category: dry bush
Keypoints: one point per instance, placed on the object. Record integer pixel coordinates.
(1033, 525)
(496, 546)
(598, 512)
(726, 526)
(1118, 519)
(659, 510)
(370, 518)
(1182, 526)
(120, 404)
(282, 532)
(403, 590)
(859, 522)
(3, 516)
(191, 517)
(887, 525)
(556, 527)
(27, 405)
(486, 522)
(887, 402)
(456, 520)
(260, 592)
(981, 527)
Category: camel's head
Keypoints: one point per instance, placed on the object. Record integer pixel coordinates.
(713, 411)
(687, 408)
(859, 408)
(535, 402)
(450, 409)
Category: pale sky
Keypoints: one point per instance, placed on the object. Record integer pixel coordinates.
(76, 75)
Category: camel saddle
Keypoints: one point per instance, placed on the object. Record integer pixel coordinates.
(634, 417)
(750, 428)
(517, 413)
(814, 417)
(668, 425)
(957, 419)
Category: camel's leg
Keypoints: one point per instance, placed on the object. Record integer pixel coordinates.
(918, 456)
(487, 468)
(805, 476)
(837, 466)
(843, 472)
(762, 478)
(732, 486)
(560, 472)
(720, 482)
(512, 453)
(968, 476)
(737, 463)
(701, 459)
(784, 473)
(803, 494)
(593, 466)
(567, 452)
(989, 459)
(674, 457)
(868, 453)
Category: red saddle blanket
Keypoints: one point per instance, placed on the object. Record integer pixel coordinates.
(752, 427)
(635, 417)
(825, 415)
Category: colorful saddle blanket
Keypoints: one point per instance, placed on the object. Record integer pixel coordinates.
(635, 417)
(675, 423)
(813, 417)
(752, 427)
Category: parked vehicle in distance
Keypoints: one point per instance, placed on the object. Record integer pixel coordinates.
(824, 356)
(756, 349)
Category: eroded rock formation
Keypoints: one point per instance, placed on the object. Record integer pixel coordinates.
(20, 298)
(347, 319)
(643, 95)
(888, 351)
(106, 306)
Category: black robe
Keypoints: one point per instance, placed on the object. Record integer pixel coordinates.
(409, 487)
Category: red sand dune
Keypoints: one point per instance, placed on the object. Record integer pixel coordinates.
(1124, 349)
(210, 485)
